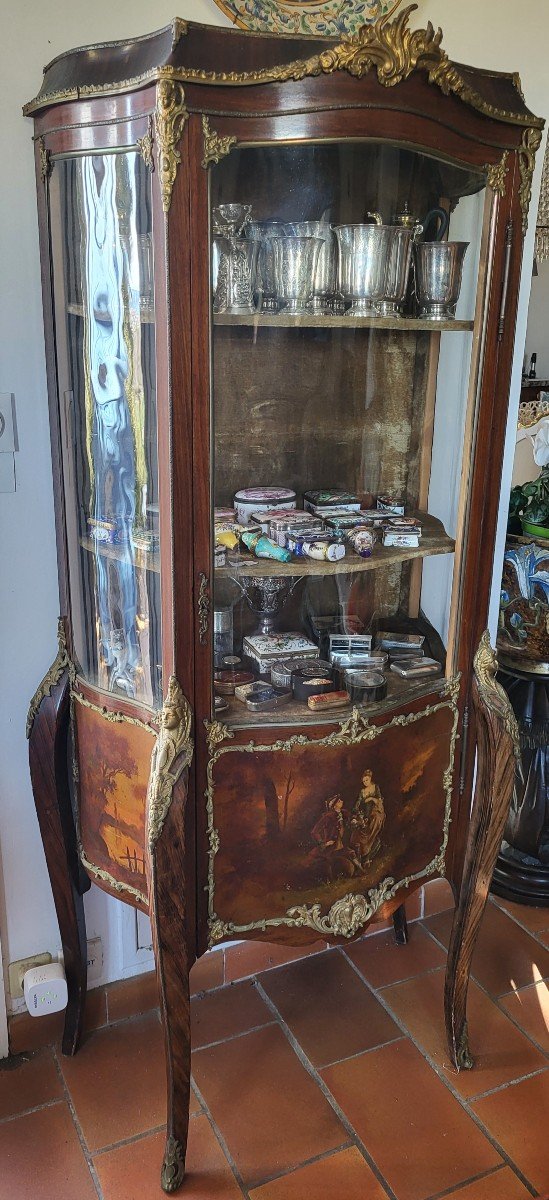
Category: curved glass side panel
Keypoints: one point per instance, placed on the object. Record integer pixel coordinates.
(100, 219)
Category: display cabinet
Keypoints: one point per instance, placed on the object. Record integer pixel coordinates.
(289, 265)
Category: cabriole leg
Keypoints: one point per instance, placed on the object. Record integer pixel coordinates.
(166, 803)
(48, 732)
(172, 968)
(400, 925)
(497, 739)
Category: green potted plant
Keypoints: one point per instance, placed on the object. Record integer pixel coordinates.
(529, 502)
(534, 513)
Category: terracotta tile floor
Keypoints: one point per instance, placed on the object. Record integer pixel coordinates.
(325, 1076)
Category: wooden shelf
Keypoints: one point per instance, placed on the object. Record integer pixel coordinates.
(399, 691)
(147, 560)
(284, 320)
(434, 540)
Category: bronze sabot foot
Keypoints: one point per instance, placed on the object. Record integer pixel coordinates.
(173, 1167)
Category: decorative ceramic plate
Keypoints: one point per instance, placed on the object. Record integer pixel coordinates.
(329, 18)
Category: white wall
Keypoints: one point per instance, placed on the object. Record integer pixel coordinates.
(28, 579)
(537, 341)
(495, 34)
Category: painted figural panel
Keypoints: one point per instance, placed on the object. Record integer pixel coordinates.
(318, 822)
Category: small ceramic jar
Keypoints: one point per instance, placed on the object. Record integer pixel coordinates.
(362, 541)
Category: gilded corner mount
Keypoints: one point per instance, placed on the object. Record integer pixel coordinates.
(170, 117)
(215, 145)
(172, 753)
(60, 663)
(529, 146)
(492, 694)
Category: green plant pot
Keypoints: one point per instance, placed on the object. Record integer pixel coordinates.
(539, 531)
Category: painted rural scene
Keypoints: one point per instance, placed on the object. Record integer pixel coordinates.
(318, 822)
(114, 771)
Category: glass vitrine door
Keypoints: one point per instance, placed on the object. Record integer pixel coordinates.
(347, 287)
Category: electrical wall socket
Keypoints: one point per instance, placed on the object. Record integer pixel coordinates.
(17, 970)
(95, 959)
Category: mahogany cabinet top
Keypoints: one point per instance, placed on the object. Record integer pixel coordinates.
(210, 55)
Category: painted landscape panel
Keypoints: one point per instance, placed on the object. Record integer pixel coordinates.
(114, 763)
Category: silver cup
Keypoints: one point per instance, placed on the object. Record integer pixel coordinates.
(398, 270)
(295, 260)
(261, 232)
(236, 276)
(439, 268)
(364, 252)
(325, 273)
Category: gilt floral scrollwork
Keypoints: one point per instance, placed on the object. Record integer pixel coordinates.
(45, 159)
(215, 145)
(146, 144)
(496, 174)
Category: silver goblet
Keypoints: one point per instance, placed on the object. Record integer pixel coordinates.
(398, 270)
(262, 232)
(439, 268)
(325, 273)
(295, 260)
(229, 220)
(363, 257)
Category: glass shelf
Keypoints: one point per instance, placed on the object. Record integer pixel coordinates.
(146, 314)
(148, 560)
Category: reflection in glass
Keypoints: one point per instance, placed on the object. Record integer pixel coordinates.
(104, 298)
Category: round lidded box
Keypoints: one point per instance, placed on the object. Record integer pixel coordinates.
(304, 684)
(250, 500)
(365, 685)
(283, 669)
